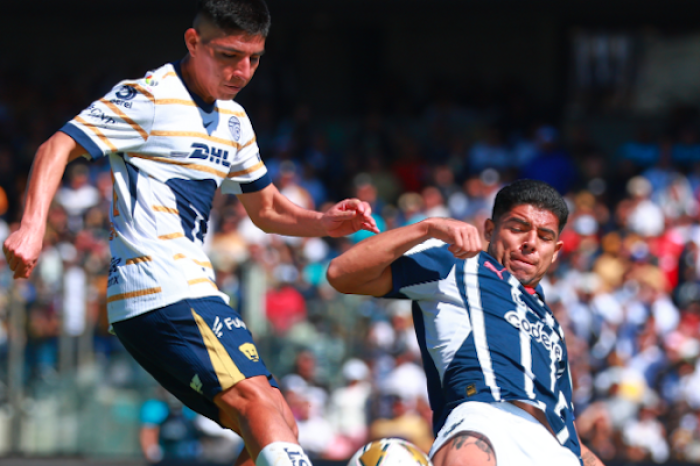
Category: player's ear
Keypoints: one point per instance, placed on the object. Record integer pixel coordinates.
(557, 247)
(488, 229)
(191, 40)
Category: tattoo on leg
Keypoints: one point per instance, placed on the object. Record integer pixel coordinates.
(469, 437)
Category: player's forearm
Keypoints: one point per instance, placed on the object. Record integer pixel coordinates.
(589, 458)
(273, 213)
(46, 173)
(365, 268)
(286, 218)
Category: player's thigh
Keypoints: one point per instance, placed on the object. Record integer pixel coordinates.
(507, 433)
(466, 448)
(196, 349)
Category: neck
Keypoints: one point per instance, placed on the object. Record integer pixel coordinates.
(190, 77)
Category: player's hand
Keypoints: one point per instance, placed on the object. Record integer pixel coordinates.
(464, 239)
(22, 249)
(347, 217)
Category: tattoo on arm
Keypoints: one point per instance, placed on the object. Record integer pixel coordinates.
(590, 459)
(469, 437)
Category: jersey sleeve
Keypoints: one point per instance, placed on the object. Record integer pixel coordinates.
(120, 121)
(248, 172)
(416, 274)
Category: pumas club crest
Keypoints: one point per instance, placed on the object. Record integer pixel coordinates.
(235, 127)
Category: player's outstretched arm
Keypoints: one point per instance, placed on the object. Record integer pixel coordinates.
(22, 247)
(272, 212)
(366, 267)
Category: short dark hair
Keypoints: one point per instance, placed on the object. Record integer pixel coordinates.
(249, 16)
(533, 192)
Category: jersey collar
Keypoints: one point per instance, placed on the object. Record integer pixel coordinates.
(208, 108)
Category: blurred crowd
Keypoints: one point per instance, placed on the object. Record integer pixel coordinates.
(626, 286)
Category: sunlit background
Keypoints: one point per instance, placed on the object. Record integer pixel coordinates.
(421, 108)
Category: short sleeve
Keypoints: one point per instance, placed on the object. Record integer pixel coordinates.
(248, 172)
(121, 121)
(416, 274)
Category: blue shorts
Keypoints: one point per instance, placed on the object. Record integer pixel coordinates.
(195, 348)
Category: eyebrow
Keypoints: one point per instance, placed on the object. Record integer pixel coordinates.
(528, 224)
(231, 49)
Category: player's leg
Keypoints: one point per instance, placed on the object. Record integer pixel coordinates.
(205, 346)
(258, 412)
(466, 448)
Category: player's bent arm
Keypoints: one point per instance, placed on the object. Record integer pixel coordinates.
(589, 458)
(22, 247)
(272, 212)
(366, 267)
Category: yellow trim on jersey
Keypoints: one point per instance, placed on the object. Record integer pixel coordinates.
(225, 111)
(191, 166)
(143, 91)
(206, 264)
(97, 132)
(189, 103)
(255, 167)
(226, 370)
(126, 118)
(172, 235)
(167, 210)
(137, 260)
(133, 294)
(197, 281)
(169, 73)
(195, 134)
(249, 142)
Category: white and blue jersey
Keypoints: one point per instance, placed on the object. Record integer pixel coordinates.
(169, 152)
(483, 337)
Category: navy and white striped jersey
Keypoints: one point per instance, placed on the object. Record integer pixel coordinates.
(483, 337)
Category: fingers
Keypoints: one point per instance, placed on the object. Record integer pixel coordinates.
(464, 239)
(21, 267)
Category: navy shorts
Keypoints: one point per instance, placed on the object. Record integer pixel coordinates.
(195, 348)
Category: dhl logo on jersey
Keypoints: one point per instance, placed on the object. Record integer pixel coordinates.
(202, 151)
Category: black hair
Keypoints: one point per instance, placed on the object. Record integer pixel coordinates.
(532, 192)
(249, 16)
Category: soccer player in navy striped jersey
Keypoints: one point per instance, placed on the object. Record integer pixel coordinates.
(496, 359)
(172, 139)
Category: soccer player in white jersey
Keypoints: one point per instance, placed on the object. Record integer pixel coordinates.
(496, 360)
(173, 138)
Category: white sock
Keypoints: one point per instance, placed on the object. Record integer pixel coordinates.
(282, 454)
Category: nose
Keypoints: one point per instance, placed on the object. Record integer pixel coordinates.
(530, 243)
(243, 70)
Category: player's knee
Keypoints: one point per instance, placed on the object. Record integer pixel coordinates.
(243, 398)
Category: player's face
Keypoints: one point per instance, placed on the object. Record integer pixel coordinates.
(224, 63)
(525, 240)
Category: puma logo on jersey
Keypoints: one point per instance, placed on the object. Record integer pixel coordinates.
(250, 351)
(202, 151)
(493, 268)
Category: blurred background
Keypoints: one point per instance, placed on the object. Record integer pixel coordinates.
(421, 109)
